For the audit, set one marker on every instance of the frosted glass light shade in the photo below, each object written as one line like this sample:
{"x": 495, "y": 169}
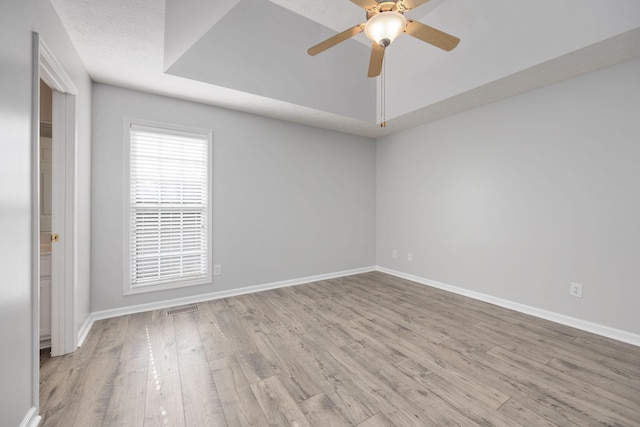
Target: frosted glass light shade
{"x": 385, "y": 27}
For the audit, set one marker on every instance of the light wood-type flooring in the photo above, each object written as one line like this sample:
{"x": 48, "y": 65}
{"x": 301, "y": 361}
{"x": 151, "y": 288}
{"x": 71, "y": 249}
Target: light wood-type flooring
{"x": 368, "y": 350}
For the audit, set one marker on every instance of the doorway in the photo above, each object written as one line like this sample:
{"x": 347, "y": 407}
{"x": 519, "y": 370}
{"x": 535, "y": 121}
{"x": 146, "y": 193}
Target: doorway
{"x": 55, "y": 211}
{"x": 45, "y": 198}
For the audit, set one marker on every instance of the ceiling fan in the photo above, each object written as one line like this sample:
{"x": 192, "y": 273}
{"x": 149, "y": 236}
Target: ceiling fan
{"x": 385, "y": 22}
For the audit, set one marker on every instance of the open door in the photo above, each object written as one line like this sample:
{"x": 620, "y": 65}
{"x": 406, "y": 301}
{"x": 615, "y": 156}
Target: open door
{"x": 63, "y": 334}
{"x": 63, "y": 201}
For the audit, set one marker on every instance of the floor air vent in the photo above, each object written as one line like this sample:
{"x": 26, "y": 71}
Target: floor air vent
{"x": 184, "y": 309}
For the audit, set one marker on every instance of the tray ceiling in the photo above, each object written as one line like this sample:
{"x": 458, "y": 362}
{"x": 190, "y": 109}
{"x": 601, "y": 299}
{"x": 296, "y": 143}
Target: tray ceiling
{"x": 250, "y": 55}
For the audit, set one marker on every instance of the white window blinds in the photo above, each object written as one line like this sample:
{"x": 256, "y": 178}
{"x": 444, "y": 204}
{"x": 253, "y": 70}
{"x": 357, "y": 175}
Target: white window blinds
{"x": 169, "y": 206}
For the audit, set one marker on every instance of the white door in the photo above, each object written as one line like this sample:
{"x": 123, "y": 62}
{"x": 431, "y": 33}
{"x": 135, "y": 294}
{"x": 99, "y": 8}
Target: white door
{"x": 63, "y": 335}
{"x": 45, "y": 234}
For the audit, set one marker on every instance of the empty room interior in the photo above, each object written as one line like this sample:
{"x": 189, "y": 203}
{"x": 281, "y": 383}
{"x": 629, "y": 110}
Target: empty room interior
{"x": 319, "y": 213}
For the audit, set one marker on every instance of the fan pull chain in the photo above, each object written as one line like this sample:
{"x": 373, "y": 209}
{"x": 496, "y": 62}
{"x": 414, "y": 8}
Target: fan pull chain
{"x": 383, "y": 88}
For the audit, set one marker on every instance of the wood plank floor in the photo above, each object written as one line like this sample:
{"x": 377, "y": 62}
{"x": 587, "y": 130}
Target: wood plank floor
{"x": 369, "y": 350}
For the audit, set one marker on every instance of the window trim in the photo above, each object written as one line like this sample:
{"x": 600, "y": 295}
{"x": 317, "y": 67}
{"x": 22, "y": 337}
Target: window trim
{"x": 128, "y": 288}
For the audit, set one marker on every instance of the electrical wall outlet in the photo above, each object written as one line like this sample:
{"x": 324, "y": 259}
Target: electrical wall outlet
{"x": 217, "y": 270}
{"x": 409, "y": 256}
{"x": 575, "y": 290}
{"x": 394, "y": 253}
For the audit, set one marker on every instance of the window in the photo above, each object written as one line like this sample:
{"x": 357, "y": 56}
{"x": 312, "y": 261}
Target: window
{"x": 169, "y": 241}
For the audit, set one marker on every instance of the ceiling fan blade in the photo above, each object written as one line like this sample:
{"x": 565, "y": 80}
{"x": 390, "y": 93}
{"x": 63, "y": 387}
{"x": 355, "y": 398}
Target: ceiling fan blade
{"x": 332, "y": 41}
{"x": 375, "y": 62}
{"x": 412, "y": 4}
{"x": 365, "y": 4}
{"x": 431, "y": 35}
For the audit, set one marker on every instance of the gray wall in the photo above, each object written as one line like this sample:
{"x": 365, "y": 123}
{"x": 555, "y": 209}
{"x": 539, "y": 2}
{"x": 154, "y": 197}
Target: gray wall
{"x": 519, "y": 198}
{"x": 17, "y": 20}
{"x": 289, "y": 201}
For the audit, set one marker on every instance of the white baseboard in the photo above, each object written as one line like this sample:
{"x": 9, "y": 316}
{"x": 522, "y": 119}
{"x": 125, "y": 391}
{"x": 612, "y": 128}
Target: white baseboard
{"x": 573, "y": 322}
{"x": 84, "y": 329}
{"x": 584, "y": 325}
{"x": 106, "y": 314}
{"x": 45, "y": 342}
{"x": 32, "y": 419}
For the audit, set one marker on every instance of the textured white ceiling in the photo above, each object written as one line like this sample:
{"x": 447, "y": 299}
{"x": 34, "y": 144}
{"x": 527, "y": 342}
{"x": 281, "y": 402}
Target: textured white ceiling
{"x": 507, "y": 47}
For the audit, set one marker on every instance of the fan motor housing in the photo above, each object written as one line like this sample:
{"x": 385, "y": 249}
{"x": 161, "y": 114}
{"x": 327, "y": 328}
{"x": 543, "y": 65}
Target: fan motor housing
{"x": 387, "y": 6}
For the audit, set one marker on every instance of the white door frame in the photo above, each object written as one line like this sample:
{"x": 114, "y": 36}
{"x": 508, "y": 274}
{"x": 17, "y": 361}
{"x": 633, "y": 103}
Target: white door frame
{"x": 63, "y": 253}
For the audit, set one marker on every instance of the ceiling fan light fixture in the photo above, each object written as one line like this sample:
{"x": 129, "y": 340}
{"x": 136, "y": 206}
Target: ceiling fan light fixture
{"x": 384, "y": 27}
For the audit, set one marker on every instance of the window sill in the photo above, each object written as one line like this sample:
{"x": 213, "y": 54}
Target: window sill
{"x": 143, "y": 289}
